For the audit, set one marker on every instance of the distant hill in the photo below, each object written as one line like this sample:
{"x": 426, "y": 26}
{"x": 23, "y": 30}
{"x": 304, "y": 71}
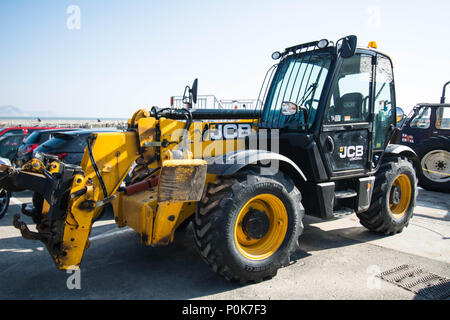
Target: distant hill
{"x": 12, "y": 111}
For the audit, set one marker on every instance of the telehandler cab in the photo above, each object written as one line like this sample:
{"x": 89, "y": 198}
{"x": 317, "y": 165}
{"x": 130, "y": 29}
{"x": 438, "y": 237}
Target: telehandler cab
{"x": 317, "y": 145}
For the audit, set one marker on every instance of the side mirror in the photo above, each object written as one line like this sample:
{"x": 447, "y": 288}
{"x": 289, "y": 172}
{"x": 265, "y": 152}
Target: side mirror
{"x": 194, "y": 90}
{"x": 288, "y": 108}
{"x": 291, "y": 109}
{"x": 347, "y": 46}
{"x": 400, "y": 114}
{"x": 190, "y": 94}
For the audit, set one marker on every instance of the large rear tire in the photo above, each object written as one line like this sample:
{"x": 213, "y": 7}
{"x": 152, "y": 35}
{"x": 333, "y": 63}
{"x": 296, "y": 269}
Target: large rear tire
{"x": 393, "y": 198}
{"x": 247, "y": 226}
{"x": 434, "y": 155}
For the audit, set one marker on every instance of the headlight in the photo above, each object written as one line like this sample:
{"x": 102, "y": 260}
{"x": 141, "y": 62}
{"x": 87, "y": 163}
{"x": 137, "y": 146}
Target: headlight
{"x": 276, "y": 55}
{"x": 322, "y": 43}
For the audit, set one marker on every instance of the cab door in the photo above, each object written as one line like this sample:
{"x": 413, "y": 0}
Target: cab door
{"x": 384, "y": 108}
{"x": 346, "y": 133}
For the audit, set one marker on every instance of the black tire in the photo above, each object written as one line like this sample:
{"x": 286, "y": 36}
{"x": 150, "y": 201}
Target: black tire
{"x": 4, "y": 202}
{"x": 434, "y": 147}
{"x": 379, "y": 217}
{"x": 216, "y": 219}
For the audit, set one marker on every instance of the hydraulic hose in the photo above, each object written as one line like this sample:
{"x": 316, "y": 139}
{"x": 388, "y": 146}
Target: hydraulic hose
{"x": 97, "y": 172}
{"x": 94, "y": 165}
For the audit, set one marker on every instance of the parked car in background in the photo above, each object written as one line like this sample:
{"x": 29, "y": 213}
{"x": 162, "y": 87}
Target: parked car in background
{"x": 68, "y": 146}
{"x": 9, "y": 145}
{"x": 25, "y": 151}
{"x": 21, "y": 130}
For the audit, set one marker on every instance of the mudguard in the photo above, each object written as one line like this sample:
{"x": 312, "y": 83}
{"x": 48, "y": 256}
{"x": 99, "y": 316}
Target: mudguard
{"x": 232, "y": 162}
{"x": 401, "y": 150}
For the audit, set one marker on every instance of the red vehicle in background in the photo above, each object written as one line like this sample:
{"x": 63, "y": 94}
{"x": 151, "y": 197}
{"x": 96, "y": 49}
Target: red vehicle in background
{"x": 21, "y": 130}
{"x": 12, "y": 137}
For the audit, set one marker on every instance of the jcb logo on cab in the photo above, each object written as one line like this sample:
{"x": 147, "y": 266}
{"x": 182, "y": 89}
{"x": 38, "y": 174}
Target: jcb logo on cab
{"x": 351, "y": 152}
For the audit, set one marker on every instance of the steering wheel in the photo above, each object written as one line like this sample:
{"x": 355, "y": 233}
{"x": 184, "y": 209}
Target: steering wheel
{"x": 365, "y": 100}
{"x": 311, "y": 110}
{"x": 308, "y": 103}
{"x": 331, "y": 113}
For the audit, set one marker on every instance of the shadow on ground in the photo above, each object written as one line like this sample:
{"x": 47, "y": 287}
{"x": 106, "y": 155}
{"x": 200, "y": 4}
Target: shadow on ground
{"x": 118, "y": 267}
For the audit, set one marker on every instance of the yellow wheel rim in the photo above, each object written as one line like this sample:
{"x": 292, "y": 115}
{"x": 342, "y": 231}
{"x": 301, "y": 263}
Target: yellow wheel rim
{"x": 266, "y": 245}
{"x": 400, "y": 196}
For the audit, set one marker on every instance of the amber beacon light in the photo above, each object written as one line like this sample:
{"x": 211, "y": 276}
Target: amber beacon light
{"x": 372, "y": 44}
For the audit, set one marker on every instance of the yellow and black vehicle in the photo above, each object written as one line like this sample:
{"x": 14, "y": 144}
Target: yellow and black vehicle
{"x": 318, "y": 144}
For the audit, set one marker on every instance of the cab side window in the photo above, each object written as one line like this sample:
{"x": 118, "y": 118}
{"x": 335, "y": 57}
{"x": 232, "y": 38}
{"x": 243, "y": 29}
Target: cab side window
{"x": 350, "y": 99}
{"x": 422, "y": 120}
{"x": 443, "y": 118}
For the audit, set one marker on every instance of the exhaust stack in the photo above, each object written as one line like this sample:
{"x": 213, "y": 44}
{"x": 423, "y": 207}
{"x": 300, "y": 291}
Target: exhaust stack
{"x": 443, "y": 92}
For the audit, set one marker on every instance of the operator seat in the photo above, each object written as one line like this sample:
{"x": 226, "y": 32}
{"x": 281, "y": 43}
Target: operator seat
{"x": 350, "y": 106}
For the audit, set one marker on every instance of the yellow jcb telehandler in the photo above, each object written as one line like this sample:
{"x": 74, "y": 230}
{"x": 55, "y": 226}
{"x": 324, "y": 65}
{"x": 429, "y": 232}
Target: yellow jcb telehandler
{"x": 318, "y": 144}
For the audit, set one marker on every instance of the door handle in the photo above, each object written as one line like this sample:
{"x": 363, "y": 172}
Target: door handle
{"x": 348, "y": 127}
{"x": 329, "y": 144}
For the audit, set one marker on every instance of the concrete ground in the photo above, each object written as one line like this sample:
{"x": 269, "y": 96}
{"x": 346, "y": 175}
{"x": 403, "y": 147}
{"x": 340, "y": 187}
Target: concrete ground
{"x": 337, "y": 260}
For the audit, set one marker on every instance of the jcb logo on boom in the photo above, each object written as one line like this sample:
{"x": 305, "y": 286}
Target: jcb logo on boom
{"x": 229, "y": 130}
{"x": 351, "y": 152}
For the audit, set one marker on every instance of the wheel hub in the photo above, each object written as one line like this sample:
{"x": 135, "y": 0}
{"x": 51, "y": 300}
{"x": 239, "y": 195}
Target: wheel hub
{"x": 256, "y": 224}
{"x": 261, "y": 226}
{"x": 396, "y": 195}
{"x": 436, "y": 166}
{"x": 440, "y": 165}
{"x": 400, "y": 196}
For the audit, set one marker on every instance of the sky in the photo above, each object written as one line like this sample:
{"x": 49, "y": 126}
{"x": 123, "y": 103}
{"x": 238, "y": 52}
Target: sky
{"x": 99, "y": 58}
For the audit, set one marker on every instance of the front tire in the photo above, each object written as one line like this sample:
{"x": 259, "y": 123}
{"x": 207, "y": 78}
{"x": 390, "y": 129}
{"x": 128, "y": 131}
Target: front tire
{"x": 434, "y": 157}
{"x": 393, "y": 198}
{"x": 247, "y": 226}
